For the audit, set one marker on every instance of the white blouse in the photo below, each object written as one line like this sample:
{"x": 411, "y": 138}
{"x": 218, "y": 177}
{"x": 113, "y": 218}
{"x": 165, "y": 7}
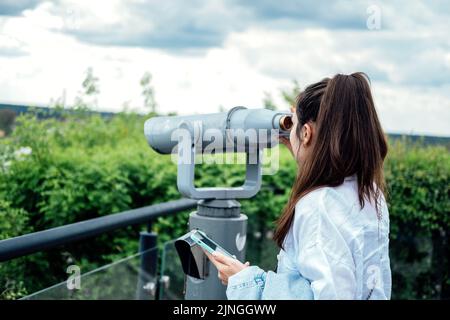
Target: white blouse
{"x": 339, "y": 248}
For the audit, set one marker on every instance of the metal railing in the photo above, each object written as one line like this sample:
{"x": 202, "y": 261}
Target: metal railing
{"x": 47, "y": 239}
{"x": 44, "y": 240}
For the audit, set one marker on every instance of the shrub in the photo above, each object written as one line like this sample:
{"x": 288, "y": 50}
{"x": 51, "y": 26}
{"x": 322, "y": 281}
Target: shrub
{"x": 54, "y": 172}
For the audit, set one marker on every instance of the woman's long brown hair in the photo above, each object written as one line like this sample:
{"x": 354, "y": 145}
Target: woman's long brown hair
{"x": 349, "y": 140}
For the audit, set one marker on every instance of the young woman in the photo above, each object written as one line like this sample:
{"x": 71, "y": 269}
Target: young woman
{"x": 334, "y": 230}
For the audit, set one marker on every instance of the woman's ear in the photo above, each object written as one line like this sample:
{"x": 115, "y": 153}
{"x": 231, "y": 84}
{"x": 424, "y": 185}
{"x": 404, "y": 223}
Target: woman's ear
{"x": 307, "y": 133}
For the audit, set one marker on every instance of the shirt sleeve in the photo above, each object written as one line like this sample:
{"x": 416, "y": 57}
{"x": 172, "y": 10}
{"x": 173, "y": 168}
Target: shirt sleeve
{"x": 322, "y": 255}
{"x": 253, "y": 283}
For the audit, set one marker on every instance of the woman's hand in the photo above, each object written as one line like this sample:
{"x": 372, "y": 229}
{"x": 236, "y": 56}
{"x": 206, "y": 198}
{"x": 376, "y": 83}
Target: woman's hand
{"x": 287, "y": 143}
{"x": 285, "y": 140}
{"x": 225, "y": 265}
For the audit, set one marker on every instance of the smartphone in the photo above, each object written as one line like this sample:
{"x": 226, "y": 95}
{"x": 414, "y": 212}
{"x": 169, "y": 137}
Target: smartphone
{"x": 208, "y": 244}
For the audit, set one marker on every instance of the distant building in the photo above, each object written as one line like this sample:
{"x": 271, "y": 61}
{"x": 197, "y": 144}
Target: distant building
{"x": 8, "y": 113}
{"x": 44, "y": 112}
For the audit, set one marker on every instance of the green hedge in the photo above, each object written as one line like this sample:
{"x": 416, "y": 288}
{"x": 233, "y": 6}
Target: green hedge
{"x": 85, "y": 166}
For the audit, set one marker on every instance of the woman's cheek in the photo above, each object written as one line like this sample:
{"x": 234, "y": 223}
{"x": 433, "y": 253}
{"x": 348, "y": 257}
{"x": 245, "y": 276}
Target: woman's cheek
{"x": 294, "y": 141}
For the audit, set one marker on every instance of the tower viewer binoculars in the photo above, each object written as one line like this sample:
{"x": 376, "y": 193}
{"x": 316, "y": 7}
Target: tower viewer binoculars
{"x": 235, "y": 127}
{"x": 238, "y": 130}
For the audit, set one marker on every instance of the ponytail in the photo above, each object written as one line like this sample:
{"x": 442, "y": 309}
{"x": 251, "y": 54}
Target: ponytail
{"x": 349, "y": 141}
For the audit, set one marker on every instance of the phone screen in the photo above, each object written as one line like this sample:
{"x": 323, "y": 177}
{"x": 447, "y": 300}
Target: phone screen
{"x": 210, "y": 244}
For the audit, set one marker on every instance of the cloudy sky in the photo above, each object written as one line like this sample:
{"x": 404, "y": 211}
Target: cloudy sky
{"x": 209, "y": 53}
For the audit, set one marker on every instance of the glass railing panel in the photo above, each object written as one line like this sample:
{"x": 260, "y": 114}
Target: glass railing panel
{"x": 120, "y": 280}
{"x": 172, "y": 276}
{"x": 125, "y": 280}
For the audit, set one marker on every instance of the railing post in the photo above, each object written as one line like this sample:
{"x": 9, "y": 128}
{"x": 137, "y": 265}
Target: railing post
{"x": 147, "y": 285}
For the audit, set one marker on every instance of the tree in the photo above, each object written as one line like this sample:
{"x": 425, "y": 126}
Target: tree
{"x": 88, "y": 97}
{"x": 90, "y": 83}
{"x": 268, "y": 101}
{"x": 148, "y": 92}
{"x": 290, "y": 95}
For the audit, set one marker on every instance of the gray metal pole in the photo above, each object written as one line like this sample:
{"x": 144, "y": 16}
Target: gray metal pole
{"x": 223, "y": 222}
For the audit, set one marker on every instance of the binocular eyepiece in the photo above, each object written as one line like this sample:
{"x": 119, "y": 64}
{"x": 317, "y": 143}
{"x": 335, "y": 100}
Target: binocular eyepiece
{"x": 239, "y": 129}
{"x": 286, "y": 123}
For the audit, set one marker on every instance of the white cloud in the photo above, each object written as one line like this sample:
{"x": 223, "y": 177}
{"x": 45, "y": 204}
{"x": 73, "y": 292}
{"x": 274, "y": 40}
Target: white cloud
{"x": 405, "y": 100}
{"x": 410, "y": 68}
{"x": 413, "y": 109}
{"x": 183, "y": 83}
